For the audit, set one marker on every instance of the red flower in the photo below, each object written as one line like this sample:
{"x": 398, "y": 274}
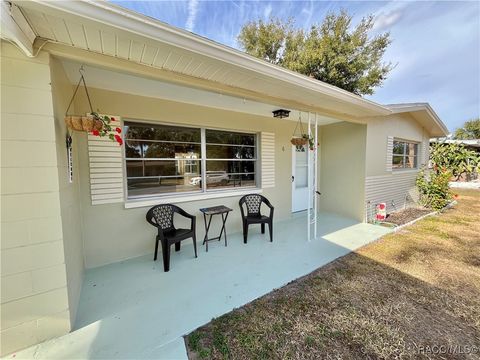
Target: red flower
{"x": 96, "y": 132}
{"x": 118, "y": 130}
{"x": 119, "y": 139}
{"x": 112, "y": 118}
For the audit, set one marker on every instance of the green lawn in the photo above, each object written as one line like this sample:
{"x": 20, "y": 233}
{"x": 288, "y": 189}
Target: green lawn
{"x": 413, "y": 294}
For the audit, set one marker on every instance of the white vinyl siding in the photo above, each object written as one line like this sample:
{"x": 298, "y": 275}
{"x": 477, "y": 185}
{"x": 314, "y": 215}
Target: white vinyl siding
{"x": 106, "y": 168}
{"x": 393, "y": 190}
{"x": 267, "y": 148}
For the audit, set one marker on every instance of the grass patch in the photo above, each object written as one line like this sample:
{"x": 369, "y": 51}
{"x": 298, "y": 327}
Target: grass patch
{"x": 413, "y": 290}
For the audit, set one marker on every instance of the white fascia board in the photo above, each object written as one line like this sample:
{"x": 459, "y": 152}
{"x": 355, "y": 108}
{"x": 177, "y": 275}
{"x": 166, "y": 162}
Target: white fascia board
{"x": 124, "y": 19}
{"x": 437, "y": 119}
{"x": 14, "y": 27}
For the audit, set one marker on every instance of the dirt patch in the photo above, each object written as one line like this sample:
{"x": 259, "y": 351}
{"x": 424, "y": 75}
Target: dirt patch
{"x": 406, "y": 296}
{"x": 405, "y": 216}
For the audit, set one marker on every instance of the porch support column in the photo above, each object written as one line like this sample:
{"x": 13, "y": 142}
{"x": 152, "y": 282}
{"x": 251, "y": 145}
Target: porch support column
{"x": 315, "y": 177}
{"x": 309, "y": 181}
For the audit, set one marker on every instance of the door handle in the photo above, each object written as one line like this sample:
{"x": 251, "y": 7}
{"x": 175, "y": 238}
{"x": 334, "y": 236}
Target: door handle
{"x": 293, "y": 178}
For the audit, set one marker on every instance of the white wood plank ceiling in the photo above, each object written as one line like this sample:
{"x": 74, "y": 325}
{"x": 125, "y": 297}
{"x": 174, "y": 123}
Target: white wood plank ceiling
{"x": 103, "y": 41}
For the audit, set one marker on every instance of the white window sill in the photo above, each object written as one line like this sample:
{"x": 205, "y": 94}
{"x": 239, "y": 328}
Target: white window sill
{"x": 402, "y": 171}
{"x": 168, "y": 199}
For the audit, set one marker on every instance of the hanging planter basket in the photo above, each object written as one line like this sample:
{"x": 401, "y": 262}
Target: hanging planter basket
{"x": 301, "y": 138}
{"x": 87, "y": 123}
{"x": 299, "y": 141}
{"x": 92, "y": 123}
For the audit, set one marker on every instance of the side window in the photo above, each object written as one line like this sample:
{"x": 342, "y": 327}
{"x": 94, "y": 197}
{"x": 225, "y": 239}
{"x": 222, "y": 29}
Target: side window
{"x": 405, "y": 155}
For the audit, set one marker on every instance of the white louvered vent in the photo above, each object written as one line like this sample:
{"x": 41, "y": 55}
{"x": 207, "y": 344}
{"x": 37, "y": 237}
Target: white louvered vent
{"x": 267, "y": 148}
{"x": 106, "y": 170}
{"x": 389, "y": 156}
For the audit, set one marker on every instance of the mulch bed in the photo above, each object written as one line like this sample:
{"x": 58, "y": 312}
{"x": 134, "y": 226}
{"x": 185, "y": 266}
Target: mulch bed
{"x": 405, "y": 216}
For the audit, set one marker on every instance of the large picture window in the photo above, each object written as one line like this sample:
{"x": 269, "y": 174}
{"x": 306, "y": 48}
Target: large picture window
{"x": 405, "y": 155}
{"x": 164, "y": 159}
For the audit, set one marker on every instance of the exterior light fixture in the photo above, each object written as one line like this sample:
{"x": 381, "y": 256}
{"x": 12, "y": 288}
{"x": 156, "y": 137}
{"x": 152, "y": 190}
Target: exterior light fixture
{"x": 281, "y": 113}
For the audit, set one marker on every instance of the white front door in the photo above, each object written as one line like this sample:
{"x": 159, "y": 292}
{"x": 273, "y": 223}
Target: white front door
{"x": 299, "y": 178}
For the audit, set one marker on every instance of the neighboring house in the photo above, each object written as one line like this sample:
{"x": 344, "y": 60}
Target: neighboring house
{"x": 211, "y": 104}
{"x": 472, "y": 144}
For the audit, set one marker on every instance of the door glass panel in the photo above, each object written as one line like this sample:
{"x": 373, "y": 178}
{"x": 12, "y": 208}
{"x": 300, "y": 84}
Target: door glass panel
{"x": 301, "y": 167}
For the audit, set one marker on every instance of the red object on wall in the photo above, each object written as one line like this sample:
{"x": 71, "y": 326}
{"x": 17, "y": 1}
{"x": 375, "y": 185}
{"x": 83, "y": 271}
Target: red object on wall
{"x": 381, "y": 211}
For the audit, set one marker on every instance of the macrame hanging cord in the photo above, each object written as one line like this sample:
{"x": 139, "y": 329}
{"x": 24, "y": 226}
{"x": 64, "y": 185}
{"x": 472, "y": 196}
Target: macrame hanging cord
{"x": 302, "y": 138}
{"x": 82, "y": 79}
{"x": 299, "y": 122}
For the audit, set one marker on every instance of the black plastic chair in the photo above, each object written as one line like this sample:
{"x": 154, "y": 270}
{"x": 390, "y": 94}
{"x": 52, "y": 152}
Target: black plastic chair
{"x": 161, "y": 216}
{"x": 253, "y": 204}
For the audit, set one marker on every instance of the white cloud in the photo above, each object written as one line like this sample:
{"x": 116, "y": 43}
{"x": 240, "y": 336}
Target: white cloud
{"x": 389, "y": 15}
{"x": 192, "y": 14}
{"x": 267, "y": 11}
{"x": 385, "y": 21}
{"x": 306, "y": 15}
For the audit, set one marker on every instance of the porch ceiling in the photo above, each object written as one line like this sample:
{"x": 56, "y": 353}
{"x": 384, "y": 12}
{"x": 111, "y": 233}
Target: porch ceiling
{"x": 115, "y": 81}
{"x": 103, "y": 28}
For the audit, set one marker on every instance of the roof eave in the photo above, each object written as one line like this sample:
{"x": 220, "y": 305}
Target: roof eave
{"x": 440, "y": 129}
{"x": 141, "y": 25}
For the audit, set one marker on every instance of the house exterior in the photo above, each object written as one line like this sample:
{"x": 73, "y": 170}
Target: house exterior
{"x": 197, "y": 126}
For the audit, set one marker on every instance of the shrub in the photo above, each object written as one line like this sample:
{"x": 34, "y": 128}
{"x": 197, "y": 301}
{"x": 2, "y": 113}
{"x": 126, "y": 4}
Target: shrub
{"x": 454, "y": 157}
{"x": 434, "y": 189}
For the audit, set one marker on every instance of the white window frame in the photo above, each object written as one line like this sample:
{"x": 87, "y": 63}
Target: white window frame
{"x": 203, "y": 193}
{"x": 404, "y": 155}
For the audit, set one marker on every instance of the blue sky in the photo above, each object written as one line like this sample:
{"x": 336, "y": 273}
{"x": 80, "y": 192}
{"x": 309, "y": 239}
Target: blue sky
{"x": 436, "y": 45}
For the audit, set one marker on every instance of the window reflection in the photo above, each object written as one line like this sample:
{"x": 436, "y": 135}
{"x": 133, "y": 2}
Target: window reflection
{"x": 405, "y": 155}
{"x": 161, "y": 159}
{"x": 231, "y": 159}
{"x": 168, "y": 159}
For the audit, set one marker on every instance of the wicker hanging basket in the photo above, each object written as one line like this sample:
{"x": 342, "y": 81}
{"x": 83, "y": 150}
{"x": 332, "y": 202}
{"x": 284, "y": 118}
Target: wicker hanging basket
{"x": 299, "y": 141}
{"x": 83, "y": 123}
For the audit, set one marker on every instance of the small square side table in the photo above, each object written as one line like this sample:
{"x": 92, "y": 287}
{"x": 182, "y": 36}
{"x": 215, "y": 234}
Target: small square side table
{"x": 215, "y": 210}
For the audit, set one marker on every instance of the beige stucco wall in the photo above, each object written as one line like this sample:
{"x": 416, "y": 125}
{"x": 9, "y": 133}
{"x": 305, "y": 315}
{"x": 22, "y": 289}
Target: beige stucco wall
{"x": 342, "y": 170}
{"x": 34, "y": 298}
{"x": 62, "y": 91}
{"x": 111, "y": 232}
{"x": 395, "y": 187}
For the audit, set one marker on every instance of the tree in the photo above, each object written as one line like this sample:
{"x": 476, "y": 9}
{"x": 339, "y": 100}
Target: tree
{"x": 470, "y": 130}
{"x": 331, "y": 52}
{"x": 455, "y": 158}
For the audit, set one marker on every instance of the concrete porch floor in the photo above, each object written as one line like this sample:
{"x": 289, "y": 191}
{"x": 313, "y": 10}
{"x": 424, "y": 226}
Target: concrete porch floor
{"x": 132, "y": 309}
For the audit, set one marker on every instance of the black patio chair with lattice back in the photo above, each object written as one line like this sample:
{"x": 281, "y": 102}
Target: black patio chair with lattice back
{"x": 161, "y": 216}
{"x": 253, "y": 204}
